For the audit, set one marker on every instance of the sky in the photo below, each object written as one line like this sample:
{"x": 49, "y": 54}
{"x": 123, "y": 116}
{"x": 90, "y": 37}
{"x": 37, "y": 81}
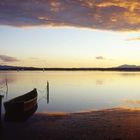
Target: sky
{"x": 69, "y": 33}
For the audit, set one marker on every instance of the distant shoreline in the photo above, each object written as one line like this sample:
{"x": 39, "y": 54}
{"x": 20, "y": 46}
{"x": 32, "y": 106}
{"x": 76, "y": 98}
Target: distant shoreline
{"x": 71, "y": 69}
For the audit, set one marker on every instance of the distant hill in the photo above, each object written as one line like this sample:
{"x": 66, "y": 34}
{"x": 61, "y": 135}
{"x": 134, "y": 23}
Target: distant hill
{"x": 128, "y": 66}
{"x": 6, "y": 67}
{"x": 3, "y": 67}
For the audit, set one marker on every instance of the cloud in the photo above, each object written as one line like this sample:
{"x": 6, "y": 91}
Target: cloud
{"x": 114, "y": 15}
{"x": 130, "y": 101}
{"x": 6, "y": 58}
{"x": 34, "y": 58}
{"x": 134, "y": 39}
{"x": 100, "y": 57}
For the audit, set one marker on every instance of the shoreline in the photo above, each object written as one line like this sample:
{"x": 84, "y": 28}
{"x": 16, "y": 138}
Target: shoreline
{"x": 77, "y": 69}
{"x": 108, "y": 124}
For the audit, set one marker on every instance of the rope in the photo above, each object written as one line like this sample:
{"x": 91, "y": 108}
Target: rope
{"x": 3, "y": 90}
{"x": 43, "y": 96}
{"x": 3, "y": 86}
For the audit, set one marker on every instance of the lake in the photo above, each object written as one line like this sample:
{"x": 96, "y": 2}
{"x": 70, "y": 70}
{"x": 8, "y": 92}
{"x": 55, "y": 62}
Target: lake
{"x": 74, "y": 91}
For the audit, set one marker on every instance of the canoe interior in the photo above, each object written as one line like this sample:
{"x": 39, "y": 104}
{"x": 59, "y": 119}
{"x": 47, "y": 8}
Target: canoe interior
{"x": 25, "y": 97}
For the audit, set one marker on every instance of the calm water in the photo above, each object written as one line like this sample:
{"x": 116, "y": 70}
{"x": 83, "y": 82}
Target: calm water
{"x": 75, "y": 91}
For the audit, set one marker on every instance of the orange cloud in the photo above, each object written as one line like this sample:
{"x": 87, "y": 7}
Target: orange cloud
{"x": 114, "y": 15}
{"x": 130, "y": 101}
{"x": 134, "y": 39}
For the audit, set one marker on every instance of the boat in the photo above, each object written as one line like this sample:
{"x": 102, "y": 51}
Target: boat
{"x": 21, "y": 107}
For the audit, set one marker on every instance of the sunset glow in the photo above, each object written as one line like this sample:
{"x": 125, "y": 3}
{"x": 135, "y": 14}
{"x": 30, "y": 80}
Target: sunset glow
{"x": 50, "y": 34}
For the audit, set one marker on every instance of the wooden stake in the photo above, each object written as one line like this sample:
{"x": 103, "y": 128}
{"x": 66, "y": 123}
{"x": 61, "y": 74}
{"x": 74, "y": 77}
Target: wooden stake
{"x": 47, "y": 92}
{"x": 1, "y": 96}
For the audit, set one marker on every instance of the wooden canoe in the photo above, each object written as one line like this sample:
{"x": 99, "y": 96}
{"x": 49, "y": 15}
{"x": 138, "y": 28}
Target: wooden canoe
{"x": 21, "y": 107}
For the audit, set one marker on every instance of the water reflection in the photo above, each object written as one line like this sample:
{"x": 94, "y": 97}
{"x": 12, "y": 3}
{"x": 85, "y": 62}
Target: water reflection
{"x": 8, "y": 78}
{"x": 130, "y": 74}
{"x": 99, "y": 82}
{"x": 76, "y": 91}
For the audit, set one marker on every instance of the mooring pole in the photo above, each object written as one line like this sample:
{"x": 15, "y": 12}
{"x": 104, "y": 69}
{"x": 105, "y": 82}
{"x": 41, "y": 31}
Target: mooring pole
{"x": 1, "y": 126}
{"x": 47, "y": 92}
{"x": 6, "y": 83}
{"x": 1, "y": 96}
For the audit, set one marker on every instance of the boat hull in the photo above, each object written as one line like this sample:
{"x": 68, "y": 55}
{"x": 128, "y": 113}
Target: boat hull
{"x": 22, "y": 107}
